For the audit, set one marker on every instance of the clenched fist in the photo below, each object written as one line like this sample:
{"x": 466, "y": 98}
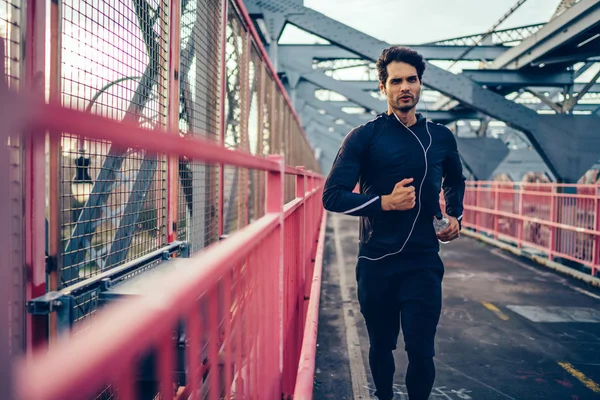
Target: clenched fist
{"x": 402, "y": 198}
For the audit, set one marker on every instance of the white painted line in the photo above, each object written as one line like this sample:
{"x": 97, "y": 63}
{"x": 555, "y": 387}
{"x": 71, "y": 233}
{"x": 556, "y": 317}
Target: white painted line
{"x": 357, "y": 365}
{"x": 561, "y": 280}
{"x": 595, "y": 296}
{"x": 475, "y": 380}
{"x": 588, "y": 278}
{"x": 500, "y": 253}
{"x": 557, "y": 314}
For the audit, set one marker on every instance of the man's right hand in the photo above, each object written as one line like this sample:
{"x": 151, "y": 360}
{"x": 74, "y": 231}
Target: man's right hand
{"x": 402, "y": 198}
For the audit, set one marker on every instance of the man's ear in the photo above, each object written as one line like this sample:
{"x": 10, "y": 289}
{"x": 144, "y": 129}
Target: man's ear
{"x": 382, "y": 87}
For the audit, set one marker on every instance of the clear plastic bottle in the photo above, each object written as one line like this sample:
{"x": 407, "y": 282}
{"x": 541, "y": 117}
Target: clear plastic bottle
{"x": 440, "y": 223}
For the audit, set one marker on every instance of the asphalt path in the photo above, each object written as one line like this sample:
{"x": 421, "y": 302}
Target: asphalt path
{"x": 509, "y": 329}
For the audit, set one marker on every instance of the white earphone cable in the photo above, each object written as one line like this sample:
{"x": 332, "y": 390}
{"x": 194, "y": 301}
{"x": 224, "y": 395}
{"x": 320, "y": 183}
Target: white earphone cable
{"x": 425, "y": 150}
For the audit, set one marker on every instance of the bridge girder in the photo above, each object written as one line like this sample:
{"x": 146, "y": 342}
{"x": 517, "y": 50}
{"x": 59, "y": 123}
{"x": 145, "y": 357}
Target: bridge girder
{"x": 551, "y": 137}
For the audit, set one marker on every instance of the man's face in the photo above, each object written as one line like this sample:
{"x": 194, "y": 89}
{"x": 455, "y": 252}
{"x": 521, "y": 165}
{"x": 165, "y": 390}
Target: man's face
{"x": 403, "y": 88}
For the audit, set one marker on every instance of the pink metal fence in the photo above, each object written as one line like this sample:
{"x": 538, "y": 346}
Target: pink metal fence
{"x": 247, "y": 295}
{"x": 554, "y": 220}
{"x": 196, "y": 67}
{"x": 241, "y": 302}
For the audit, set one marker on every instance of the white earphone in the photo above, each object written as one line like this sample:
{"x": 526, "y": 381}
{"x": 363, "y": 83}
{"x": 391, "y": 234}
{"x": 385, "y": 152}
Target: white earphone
{"x": 425, "y": 150}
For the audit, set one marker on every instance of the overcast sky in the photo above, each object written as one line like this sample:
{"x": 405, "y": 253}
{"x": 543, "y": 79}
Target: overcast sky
{"x": 403, "y": 22}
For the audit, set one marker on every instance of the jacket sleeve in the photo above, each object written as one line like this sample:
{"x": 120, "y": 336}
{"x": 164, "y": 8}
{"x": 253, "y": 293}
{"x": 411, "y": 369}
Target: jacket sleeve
{"x": 453, "y": 181}
{"x": 338, "y": 194}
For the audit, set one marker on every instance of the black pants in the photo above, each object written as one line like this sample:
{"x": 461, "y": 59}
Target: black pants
{"x": 401, "y": 291}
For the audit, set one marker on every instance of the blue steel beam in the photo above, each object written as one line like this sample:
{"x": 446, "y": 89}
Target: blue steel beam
{"x": 495, "y": 77}
{"x": 442, "y": 117}
{"x": 430, "y": 52}
{"x": 519, "y": 162}
{"x": 360, "y": 98}
{"x": 542, "y": 132}
{"x": 499, "y": 36}
{"x": 128, "y": 225}
{"x": 475, "y": 150}
{"x": 329, "y": 141}
{"x": 121, "y": 243}
{"x": 308, "y": 114}
{"x": 482, "y": 155}
{"x": 500, "y": 79}
{"x": 324, "y": 140}
{"x": 579, "y": 107}
{"x": 582, "y": 70}
{"x": 306, "y": 90}
{"x": 565, "y": 27}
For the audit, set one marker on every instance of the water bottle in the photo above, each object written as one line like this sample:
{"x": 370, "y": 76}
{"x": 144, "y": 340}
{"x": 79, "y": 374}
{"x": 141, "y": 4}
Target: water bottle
{"x": 440, "y": 223}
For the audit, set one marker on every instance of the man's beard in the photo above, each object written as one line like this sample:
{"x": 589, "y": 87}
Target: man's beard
{"x": 406, "y": 108}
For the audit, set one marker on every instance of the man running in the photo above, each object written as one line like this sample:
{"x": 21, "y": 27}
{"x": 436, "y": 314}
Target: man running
{"x": 401, "y": 162}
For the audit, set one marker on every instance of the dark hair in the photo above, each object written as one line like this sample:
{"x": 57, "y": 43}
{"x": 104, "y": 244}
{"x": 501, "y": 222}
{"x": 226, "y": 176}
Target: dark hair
{"x": 402, "y": 54}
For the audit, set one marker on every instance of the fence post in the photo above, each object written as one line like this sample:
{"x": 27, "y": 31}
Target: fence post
{"x": 496, "y": 187}
{"x": 520, "y": 221}
{"x": 478, "y": 213}
{"x": 222, "y": 116}
{"x": 5, "y": 243}
{"x": 553, "y": 218}
{"x": 36, "y": 326}
{"x": 302, "y": 256}
{"x": 274, "y": 204}
{"x": 173, "y": 121}
{"x": 54, "y": 248}
{"x": 311, "y": 219}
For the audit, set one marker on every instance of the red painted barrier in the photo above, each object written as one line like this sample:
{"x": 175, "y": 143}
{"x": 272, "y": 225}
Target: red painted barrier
{"x": 240, "y": 302}
{"x": 553, "y": 220}
{"x": 306, "y": 367}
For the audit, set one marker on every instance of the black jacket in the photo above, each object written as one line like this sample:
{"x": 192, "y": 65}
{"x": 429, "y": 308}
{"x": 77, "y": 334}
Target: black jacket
{"x": 380, "y": 154}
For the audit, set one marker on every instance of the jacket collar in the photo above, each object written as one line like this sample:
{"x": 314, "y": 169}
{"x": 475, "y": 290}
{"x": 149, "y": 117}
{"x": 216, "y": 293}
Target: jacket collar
{"x": 390, "y": 118}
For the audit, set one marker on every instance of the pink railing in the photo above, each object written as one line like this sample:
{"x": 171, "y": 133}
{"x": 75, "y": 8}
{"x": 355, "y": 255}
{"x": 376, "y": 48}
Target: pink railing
{"x": 554, "y": 220}
{"x": 241, "y": 303}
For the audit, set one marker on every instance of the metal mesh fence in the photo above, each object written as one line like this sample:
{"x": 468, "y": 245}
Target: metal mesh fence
{"x": 16, "y": 307}
{"x": 83, "y": 311}
{"x": 579, "y": 212}
{"x": 12, "y": 14}
{"x": 113, "y": 63}
{"x": 256, "y": 179}
{"x": 236, "y": 123}
{"x": 199, "y": 114}
{"x": 512, "y": 35}
{"x": 268, "y": 93}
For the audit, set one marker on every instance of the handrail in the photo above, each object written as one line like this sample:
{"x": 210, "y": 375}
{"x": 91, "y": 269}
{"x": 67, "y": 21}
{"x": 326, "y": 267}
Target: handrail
{"x": 265, "y": 57}
{"x": 536, "y": 220}
{"x": 306, "y": 367}
{"x": 146, "y": 321}
{"x": 170, "y": 297}
{"x": 57, "y": 119}
{"x": 532, "y": 184}
{"x": 550, "y": 219}
{"x": 265, "y": 280}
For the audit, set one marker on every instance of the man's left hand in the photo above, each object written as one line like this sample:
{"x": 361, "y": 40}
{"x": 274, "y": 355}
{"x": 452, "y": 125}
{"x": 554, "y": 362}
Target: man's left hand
{"x": 451, "y": 232}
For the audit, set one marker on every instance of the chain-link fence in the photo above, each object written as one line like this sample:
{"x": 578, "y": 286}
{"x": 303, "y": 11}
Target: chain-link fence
{"x": 199, "y": 114}
{"x": 108, "y": 207}
{"x": 113, "y": 63}
{"x": 12, "y": 16}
